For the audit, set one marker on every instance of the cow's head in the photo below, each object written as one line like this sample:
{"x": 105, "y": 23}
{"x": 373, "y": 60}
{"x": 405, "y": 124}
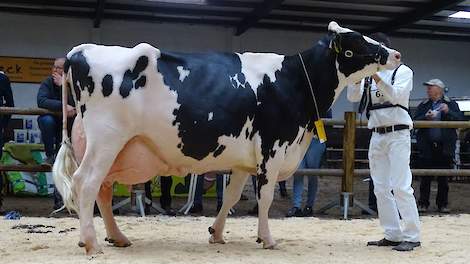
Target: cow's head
{"x": 358, "y": 56}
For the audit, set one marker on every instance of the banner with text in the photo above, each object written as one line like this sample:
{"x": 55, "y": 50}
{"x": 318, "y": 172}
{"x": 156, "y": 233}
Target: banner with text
{"x": 26, "y": 70}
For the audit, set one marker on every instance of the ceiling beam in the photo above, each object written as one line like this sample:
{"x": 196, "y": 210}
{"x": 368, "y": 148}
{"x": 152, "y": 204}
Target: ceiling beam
{"x": 260, "y": 11}
{"x": 99, "y": 10}
{"x": 425, "y": 10}
{"x": 335, "y": 10}
{"x": 51, "y": 3}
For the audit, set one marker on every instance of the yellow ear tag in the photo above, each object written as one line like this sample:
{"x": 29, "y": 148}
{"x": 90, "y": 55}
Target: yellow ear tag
{"x": 320, "y": 130}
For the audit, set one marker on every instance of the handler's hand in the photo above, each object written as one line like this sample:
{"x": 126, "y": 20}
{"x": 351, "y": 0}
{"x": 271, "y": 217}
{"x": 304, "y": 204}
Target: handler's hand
{"x": 376, "y": 78}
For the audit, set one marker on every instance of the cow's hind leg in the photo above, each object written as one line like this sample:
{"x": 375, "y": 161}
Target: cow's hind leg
{"x": 232, "y": 196}
{"x": 114, "y": 235}
{"x": 99, "y": 157}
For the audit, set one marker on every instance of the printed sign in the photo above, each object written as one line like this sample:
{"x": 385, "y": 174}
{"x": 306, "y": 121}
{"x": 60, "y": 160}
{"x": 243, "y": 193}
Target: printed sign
{"x": 26, "y": 70}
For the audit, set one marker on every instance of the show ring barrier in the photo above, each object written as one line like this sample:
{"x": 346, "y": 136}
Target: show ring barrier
{"x": 347, "y": 173}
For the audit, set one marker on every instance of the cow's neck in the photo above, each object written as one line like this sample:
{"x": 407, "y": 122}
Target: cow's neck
{"x": 321, "y": 68}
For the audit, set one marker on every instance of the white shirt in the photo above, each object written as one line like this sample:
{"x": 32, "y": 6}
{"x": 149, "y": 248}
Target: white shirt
{"x": 384, "y": 92}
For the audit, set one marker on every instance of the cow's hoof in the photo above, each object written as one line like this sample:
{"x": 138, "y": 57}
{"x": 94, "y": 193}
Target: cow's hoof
{"x": 117, "y": 243}
{"x": 266, "y": 244}
{"x": 269, "y": 246}
{"x": 213, "y": 240}
{"x": 93, "y": 252}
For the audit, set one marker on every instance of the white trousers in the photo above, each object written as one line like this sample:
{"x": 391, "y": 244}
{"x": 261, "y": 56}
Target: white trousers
{"x": 389, "y": 161}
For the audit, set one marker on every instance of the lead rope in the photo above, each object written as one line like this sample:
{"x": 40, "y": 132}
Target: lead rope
{"x": 310, "y": 85}
{"x": 318, "y": 123}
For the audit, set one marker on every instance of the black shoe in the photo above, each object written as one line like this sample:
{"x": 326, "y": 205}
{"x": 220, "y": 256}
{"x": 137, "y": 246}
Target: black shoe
{"x": 169, "y": 211}
{"x": 308, "y": 211}
{"x": 196, "y": 209}
{"x": 383, "y": 243}
{"x": 407, "y": 246}
{"x": 295, "y": 211}
{"x": 444, "y": 210}
{"x": 422, "y": 209}
{"x": 253, "y": 211}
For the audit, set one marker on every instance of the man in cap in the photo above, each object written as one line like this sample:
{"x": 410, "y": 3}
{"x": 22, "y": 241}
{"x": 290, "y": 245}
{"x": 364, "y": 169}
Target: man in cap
{"x": 436, "y": 145}
{"x": 385, "y": 96}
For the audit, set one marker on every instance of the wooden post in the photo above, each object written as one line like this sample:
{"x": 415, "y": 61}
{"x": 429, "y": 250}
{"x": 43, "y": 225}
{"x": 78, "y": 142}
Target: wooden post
{"x": 349, "y": 144}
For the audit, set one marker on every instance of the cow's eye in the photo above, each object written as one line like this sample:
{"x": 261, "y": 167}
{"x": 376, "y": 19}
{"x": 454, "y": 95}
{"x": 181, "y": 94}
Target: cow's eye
{"x": 348, "y": 54}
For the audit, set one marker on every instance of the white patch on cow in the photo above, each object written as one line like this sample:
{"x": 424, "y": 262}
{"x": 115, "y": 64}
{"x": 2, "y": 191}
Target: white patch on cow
{"x": 334, "y": 27}
{"x": 183, "y": 73}
{"x": 210, "y": 116}
{"x": 256, "y": 65}
{"x": 237, "y": 81}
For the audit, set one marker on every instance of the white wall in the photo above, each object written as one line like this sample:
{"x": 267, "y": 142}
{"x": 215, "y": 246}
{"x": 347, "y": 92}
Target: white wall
{"x": 35, "y": 36}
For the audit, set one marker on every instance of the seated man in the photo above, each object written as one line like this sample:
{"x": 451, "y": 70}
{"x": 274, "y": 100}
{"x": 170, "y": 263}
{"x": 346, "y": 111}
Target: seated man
{"x": 6, "y": 99}
{"x": 50, "y": 98}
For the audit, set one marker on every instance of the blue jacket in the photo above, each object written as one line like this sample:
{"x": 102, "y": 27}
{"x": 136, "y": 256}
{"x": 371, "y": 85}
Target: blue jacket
{"x": 449, "y": 134}
{"x": 50, "y": 96}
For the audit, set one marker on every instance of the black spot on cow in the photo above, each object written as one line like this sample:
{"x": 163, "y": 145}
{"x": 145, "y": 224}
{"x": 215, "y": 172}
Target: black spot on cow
{"x": 247, "y": 133}
{"x": 80, "y": 74}
{"x": 207, "y": 89}
{"x": 107, "y": 85}
{"x": 131, "y": 78}
{"x": 179, "y": 145}
{"x": 83, "y": 109}
{"x": 219, "y": 150}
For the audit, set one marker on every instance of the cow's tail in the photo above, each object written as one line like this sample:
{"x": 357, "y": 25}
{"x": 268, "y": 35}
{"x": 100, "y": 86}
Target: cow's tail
{"x": 65, "y": 163}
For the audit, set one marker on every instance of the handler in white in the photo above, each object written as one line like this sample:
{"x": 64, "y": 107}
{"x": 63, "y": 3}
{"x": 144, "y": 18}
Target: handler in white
{"x": 389, "y": 152}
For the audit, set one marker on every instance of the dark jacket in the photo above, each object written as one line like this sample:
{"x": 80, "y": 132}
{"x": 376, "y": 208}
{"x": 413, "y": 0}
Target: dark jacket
{"x": 6, "y": 98}
{"x": 50, "y": 96}
{"x": 448, "y": 134}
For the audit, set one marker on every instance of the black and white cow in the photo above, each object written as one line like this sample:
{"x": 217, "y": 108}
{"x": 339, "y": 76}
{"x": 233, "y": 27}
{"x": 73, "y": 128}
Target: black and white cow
{"x": 144, "y": 112}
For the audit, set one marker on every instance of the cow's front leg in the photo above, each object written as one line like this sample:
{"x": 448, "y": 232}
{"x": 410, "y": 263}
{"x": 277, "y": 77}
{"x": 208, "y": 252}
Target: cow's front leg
{"x": 265, "y": 193}
{"x": 232, "y": 196}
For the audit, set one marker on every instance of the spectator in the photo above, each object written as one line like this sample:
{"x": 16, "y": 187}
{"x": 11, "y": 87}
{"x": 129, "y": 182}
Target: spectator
{"x": 219, "y": 181}
{"x": 6, "y": 99}
{"x": 311, "y": 160}
{"x": 436, "y": 145}
{"x": 50, "y": 98}
{"x": 165, "y": 199}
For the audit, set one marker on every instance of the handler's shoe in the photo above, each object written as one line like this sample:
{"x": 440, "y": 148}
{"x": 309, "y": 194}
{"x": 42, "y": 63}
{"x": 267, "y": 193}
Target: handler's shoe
{"x": 384, "y": 243}
{"x": 407, "y": 246}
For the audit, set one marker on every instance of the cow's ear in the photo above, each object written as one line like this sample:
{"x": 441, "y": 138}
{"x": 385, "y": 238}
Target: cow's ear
{"x": 335, "y": 43}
